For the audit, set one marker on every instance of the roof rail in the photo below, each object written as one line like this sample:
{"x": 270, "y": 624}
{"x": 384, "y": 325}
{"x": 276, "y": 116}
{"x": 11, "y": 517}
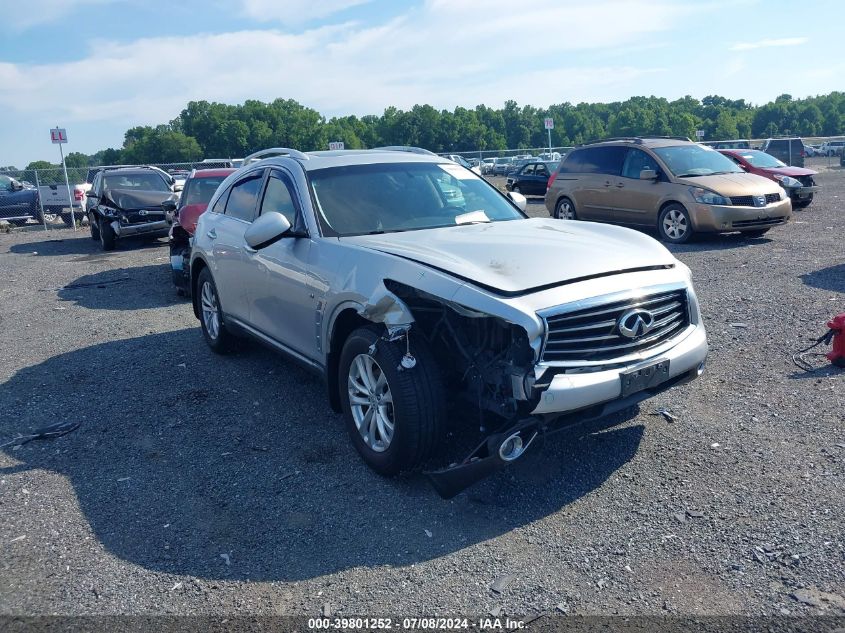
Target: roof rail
{"x": 405, "y": 148}
{"x": 635, "y": 139}
{"x": 274, "y": 151}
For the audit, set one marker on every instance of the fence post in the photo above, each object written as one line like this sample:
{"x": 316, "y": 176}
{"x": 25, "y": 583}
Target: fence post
{"x": 40, "y": 201}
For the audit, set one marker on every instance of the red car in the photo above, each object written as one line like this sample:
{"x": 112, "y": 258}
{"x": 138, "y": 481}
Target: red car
{"x": 798, "y": 182}
{"x": 200, "y": 185}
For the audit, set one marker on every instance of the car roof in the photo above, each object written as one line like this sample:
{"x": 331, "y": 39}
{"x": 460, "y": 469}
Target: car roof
{"x": 644, "y": 141}
{"x": 133, "y": 170}
{"x": 343, "y": 158}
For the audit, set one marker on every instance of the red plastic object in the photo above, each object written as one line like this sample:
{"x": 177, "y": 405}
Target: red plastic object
{"x": 837, "y": 326}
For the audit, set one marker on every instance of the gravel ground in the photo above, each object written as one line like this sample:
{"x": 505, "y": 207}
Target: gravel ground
{"x": 205, "y": 485}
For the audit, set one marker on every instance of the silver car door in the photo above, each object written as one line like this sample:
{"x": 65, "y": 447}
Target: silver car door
{"x": 282, "y": 303}
{"x": 226, "y": 231}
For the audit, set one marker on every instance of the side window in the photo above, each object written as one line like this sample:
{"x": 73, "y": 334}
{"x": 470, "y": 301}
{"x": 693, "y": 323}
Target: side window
{"x": 610, "y": 159}
{"x": 528, "y": 170}
{"x": 278, "y": 196}
{"x": 635, "y": 162}
{"x": 243, "y": 198}
{"x": 5, "y": 182}
{"x": 540, "y": 170}
{"x": 220, "y": 205}
{"x": 572, "y": 163}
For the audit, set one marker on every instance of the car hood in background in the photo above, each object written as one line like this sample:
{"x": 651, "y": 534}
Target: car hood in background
{"x": 522, "y": 255}
{"x": 788, "y": 171}
{"x": 129, "y": 200}
{"x": 730, "y": 185}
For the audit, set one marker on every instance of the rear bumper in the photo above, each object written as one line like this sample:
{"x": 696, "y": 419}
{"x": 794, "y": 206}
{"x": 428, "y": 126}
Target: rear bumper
{"x": 571, "y": 392}
{"x": 125, "y": 230}
{"x": 714, "y": 218}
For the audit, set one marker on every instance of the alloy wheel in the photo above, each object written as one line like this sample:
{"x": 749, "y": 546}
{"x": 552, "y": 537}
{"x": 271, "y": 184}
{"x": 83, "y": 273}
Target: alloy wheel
{"x": 371, "y": 402}
{"x": 675, "y": 224}
{"x": 210, "y": 314}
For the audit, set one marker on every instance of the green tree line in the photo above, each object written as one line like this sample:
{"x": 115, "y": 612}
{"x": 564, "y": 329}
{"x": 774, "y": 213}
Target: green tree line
{"x": 217, "y": 130}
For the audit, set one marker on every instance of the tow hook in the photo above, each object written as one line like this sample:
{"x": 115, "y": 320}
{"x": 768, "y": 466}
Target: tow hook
{"x": 493, "y": 454}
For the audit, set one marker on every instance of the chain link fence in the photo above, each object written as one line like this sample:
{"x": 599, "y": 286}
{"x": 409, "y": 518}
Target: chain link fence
{"x": 30, "y": 197}
{"x": 41, "y": 196}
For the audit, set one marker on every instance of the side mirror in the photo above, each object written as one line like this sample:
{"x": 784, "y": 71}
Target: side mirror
{"x": 169, "y": 206}
{"x": 268, "y": 228}
{"x": 648, "y": 174}
{"x": 518, "y": 199}
{"x": 16, "y": 185}
{"x": 90, "y": 194}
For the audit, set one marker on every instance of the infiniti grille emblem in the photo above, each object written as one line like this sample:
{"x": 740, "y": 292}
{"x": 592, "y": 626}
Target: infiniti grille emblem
{"x": 635, "y": 323}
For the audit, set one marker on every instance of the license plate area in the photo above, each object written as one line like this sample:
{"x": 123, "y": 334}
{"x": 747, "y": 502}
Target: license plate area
{"x": 645, "y": 377}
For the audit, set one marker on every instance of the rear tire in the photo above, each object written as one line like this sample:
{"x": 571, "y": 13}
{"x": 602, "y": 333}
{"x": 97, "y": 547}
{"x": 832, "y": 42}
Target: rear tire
{"x": 107, "y": 237}
{"x": 214, "y": 330}
{"x": 401, "y": 433}
{"x": 565, "y": 210}
{"x": 674, "y": 224}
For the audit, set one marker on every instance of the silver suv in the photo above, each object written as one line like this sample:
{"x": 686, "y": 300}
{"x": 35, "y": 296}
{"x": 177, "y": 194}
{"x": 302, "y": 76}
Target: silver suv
{"x": 405, "y": 280}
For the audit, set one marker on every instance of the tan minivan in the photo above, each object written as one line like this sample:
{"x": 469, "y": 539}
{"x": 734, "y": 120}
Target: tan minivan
{"x": 674, "y": 184}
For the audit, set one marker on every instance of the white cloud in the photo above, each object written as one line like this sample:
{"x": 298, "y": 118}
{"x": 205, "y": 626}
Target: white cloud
{"x": 445, "y": 53}
{"x": 293, "y": 12}
{"x": 785, "y": 41}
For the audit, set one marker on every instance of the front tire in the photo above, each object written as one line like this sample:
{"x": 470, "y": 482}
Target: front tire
{"x": 394, "y": 415}
{"x": 674, "y": 224}
{"x": 218, "y": 338}
{"x": 108, "y": 239}
{"x": 94, "y": 227}
{"x": 565, "y": 210}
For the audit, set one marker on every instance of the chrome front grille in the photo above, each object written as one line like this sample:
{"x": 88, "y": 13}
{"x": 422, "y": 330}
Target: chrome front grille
{"x": 592, "y": 333}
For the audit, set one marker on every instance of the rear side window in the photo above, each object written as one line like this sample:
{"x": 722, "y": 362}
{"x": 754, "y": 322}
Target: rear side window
{"x": 603, "y": 160}
{"x": 243, "y": 198}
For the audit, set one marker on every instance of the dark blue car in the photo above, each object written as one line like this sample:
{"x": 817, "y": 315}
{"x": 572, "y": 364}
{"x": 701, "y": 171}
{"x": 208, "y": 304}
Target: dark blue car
{"x": 18, "y": 202}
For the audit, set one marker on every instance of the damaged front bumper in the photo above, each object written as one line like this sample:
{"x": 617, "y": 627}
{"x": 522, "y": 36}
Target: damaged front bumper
{"x": 572, "y": 391}
{"x": 568, "y": 400}
{"x": 125, "y": 230}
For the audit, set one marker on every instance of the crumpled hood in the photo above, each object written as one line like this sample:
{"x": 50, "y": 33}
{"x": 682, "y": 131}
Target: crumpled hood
{"x": 520, "y": 255}
{"x": 129, "y": 200}
{"x": 789, "y": 171}
{"x": 730, "y": 185}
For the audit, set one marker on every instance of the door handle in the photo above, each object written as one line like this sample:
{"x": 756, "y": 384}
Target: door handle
{"x": 212, "y": 234}
{"x": 607, "y": 183}
{"x": 620, "y": 184}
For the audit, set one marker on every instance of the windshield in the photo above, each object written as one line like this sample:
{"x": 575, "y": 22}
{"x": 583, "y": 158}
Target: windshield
{"x": 695, "y": 160}
{"x": 762, "y": 159}
{"x": 141, "y": 182}
{"x": 385, "y": 198}
{"x": 200, "y": 190}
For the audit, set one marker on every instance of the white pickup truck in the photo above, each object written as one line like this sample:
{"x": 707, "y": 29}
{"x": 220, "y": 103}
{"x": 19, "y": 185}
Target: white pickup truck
{"x": 55, "y": 202}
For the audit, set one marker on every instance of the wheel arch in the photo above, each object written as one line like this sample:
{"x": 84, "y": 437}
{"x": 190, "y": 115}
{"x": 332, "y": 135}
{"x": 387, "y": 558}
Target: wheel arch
{"x": 347, "y": 321}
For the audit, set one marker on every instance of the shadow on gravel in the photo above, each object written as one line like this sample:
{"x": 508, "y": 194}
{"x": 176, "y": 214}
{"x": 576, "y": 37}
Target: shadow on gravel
{"x": 717, "y": 242}
{"x": 133, "y": 288}
{"x": 830, "y": 278}
{"x": 235, "y": 467}
{"x": 80, "y": 243}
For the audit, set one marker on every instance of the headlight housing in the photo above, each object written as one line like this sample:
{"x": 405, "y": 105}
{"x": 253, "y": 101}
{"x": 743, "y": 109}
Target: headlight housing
{"x": 787, "y": 181}
{"x": 705, "y": 196}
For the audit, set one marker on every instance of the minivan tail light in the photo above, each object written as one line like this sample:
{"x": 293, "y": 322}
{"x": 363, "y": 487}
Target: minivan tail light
{"x": 551, "y": 180}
